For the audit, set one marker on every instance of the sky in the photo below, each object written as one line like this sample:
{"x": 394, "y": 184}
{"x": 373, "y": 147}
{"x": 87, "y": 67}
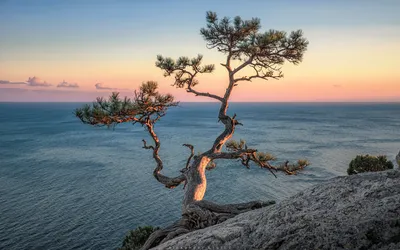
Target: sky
{"x": 76, "y": 50}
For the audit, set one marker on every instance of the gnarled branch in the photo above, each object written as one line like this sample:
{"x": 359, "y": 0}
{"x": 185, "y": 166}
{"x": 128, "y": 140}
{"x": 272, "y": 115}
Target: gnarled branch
{"x": 167, "y": 181}
{"x": 146, "y": 108}
{"x": 191, "y": 154}
{"x": 239, "y": 150}
{"x": 207, "y": 94}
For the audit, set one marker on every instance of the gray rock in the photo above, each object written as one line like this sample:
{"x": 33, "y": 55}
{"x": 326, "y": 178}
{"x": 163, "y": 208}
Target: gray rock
{"x": 398, "y": 159}
{"x": 351, "y": 212}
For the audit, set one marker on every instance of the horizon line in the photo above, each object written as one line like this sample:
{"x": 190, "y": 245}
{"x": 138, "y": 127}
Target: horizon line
{"x": 216, "y": 102}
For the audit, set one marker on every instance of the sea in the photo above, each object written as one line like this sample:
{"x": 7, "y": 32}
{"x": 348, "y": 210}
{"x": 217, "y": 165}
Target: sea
{"x": 67, "y": 185}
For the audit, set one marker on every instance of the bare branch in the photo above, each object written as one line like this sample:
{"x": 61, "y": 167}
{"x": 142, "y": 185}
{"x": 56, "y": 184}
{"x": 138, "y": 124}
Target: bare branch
{"x": 191, "y": 90}
{"x": 191, "y": 154}
{"x": 239, "y": 150}
{"x": 243, "y": 65}
{"x": 145, "y": 145}
{"x": 231, "y": 155}
{"x": 167, "y": 181}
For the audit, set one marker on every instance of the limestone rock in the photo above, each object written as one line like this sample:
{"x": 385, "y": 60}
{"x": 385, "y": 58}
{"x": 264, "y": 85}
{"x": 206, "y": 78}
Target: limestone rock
{"x": 350, "y": 212}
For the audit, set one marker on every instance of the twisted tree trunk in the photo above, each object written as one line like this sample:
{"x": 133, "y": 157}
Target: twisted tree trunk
{"x": 196, "y": 181}
{"x": 240, "y": 41}
{"x": 264, "y": 56}
{"x": 196, "y": 212}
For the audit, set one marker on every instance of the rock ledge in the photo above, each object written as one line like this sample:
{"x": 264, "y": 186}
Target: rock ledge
{"x": 350, "y": 212}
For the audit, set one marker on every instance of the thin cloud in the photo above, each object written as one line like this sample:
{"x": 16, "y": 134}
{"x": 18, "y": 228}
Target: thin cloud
{"x": 337, "y": 85}
{"x": 8, "y": 82}
{"x": 65, "y": 84}
{"x": 101, "y": 86}
{"x": 37, "y": 82}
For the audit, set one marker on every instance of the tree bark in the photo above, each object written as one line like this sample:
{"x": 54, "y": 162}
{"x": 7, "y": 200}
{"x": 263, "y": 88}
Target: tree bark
{"x": 196, "y": 181}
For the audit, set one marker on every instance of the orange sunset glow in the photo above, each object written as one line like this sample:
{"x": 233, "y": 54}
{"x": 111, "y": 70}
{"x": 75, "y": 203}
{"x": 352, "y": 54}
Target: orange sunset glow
{"x": 352, "y": 55}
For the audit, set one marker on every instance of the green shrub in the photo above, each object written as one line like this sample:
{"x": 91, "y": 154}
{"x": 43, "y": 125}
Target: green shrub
{"x": 136, "y": 238}
{"x": 368, "y": 163}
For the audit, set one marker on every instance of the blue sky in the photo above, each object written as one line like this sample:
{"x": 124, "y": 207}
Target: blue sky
{"x": 46, "y": 33}
{"x": 35, "y": 24}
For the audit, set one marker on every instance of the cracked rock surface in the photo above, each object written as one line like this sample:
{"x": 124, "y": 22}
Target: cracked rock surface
{"x": 350, "y": 212}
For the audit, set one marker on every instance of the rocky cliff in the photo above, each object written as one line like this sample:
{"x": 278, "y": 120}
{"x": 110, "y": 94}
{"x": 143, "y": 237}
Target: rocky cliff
{"x": 351, "y": 212}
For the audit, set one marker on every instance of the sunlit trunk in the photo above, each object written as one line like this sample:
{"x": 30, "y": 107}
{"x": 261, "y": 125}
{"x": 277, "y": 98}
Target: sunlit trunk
{"x": 196, "y": 181}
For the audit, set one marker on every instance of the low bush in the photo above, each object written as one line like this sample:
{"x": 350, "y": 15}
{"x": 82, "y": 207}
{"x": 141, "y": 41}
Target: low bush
{"x": 369, "y": 163}
{"x": 136, "y": 238}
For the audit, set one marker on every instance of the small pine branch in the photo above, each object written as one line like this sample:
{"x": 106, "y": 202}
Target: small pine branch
{"x": 233, "y": 145}
{"x": 184, "y": 69}
{"x": 265, "y": 157}
{"x": 147, "y": 105}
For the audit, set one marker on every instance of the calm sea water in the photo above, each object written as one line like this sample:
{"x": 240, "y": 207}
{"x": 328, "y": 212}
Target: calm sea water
{"x": 65, "y": 185}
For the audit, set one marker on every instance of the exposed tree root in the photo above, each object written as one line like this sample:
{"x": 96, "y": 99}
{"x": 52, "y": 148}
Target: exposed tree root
{"x": 201, "y": 214}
